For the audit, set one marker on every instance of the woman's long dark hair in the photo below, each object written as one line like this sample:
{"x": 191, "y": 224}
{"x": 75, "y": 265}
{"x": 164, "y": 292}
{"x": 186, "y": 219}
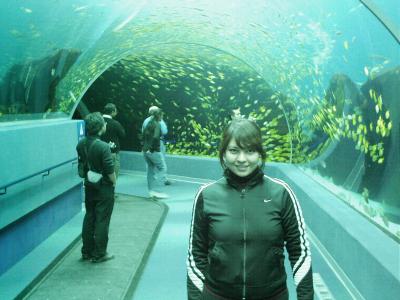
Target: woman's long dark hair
{"x": 247, "y": 135}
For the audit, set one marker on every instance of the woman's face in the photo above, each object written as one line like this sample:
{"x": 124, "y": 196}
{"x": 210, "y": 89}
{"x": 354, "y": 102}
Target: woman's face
{"x": 241, "y": 161}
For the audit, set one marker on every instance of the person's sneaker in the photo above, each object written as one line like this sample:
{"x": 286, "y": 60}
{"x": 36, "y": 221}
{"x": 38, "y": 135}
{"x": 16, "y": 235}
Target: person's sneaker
{"x": 102, "y": 258}
{"x": 158, "y": 195}
{"x": 85, "y": 257}
{"x": 167, "y": 182}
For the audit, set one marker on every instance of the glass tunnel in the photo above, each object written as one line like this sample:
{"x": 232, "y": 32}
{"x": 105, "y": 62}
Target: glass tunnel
{"x": 320, "y": 78}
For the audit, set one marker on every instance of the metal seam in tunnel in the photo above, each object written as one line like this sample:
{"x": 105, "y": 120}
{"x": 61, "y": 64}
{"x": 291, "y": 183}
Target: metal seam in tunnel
{"x": 390, "y": 26}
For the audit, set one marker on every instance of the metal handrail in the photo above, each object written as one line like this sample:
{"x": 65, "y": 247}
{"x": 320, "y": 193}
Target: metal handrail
{"x": 45, "y": 172}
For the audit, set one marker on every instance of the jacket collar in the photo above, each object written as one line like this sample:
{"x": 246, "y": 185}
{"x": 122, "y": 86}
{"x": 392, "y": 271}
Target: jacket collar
{"x": 92, "y": 137}
{"x": 240, "y": 182}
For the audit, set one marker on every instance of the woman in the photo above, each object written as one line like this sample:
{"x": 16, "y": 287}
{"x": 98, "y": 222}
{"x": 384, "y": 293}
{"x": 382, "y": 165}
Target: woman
{"x": 240, "y": 226}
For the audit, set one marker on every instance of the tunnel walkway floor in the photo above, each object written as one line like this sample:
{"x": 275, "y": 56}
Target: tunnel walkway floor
{"x": 149, "y": 240}
{"x": 134, "y": 227}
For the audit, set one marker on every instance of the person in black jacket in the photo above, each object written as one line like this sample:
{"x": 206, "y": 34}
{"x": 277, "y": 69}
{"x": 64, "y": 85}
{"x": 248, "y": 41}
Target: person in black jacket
{"x": 99, "y": 199}
{"x": 240, "y": 226}
{"x": 114, "y": 133}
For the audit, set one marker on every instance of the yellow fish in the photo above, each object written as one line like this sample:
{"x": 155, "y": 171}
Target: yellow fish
{"x": 366, "y": 72}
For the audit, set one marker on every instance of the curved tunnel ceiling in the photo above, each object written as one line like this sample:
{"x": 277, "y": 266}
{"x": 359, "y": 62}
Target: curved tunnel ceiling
{"x": 300, "y": 48}
{"x": 305, "y": 39}
{"x": 274, "y": 38}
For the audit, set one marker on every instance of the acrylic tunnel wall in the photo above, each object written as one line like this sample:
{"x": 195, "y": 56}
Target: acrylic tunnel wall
{"x": 321, "y": 78}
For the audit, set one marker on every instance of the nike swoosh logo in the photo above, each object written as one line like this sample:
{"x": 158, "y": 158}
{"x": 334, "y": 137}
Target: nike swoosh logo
{"x": 266, "y": 201}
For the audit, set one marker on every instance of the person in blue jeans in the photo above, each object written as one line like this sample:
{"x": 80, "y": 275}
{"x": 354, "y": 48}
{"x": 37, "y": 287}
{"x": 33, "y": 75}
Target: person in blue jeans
{"x": 156, "y": 166}
{"x": 164, "y": 132}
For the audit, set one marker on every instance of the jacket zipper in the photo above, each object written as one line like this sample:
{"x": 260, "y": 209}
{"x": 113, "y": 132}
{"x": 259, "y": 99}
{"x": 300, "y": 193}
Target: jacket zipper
{"x": 244, "y": 245}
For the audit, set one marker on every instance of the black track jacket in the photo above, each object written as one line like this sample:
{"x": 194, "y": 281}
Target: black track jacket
{"x": 237, "y": 235}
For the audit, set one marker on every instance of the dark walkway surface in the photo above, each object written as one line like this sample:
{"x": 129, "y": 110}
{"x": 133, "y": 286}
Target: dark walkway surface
{"x": 134, "y": 224}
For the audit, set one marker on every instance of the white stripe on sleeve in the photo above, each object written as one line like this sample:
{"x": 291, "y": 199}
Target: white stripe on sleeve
{"x": 195, "y": 275}
{"x": 303, "y": 263}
